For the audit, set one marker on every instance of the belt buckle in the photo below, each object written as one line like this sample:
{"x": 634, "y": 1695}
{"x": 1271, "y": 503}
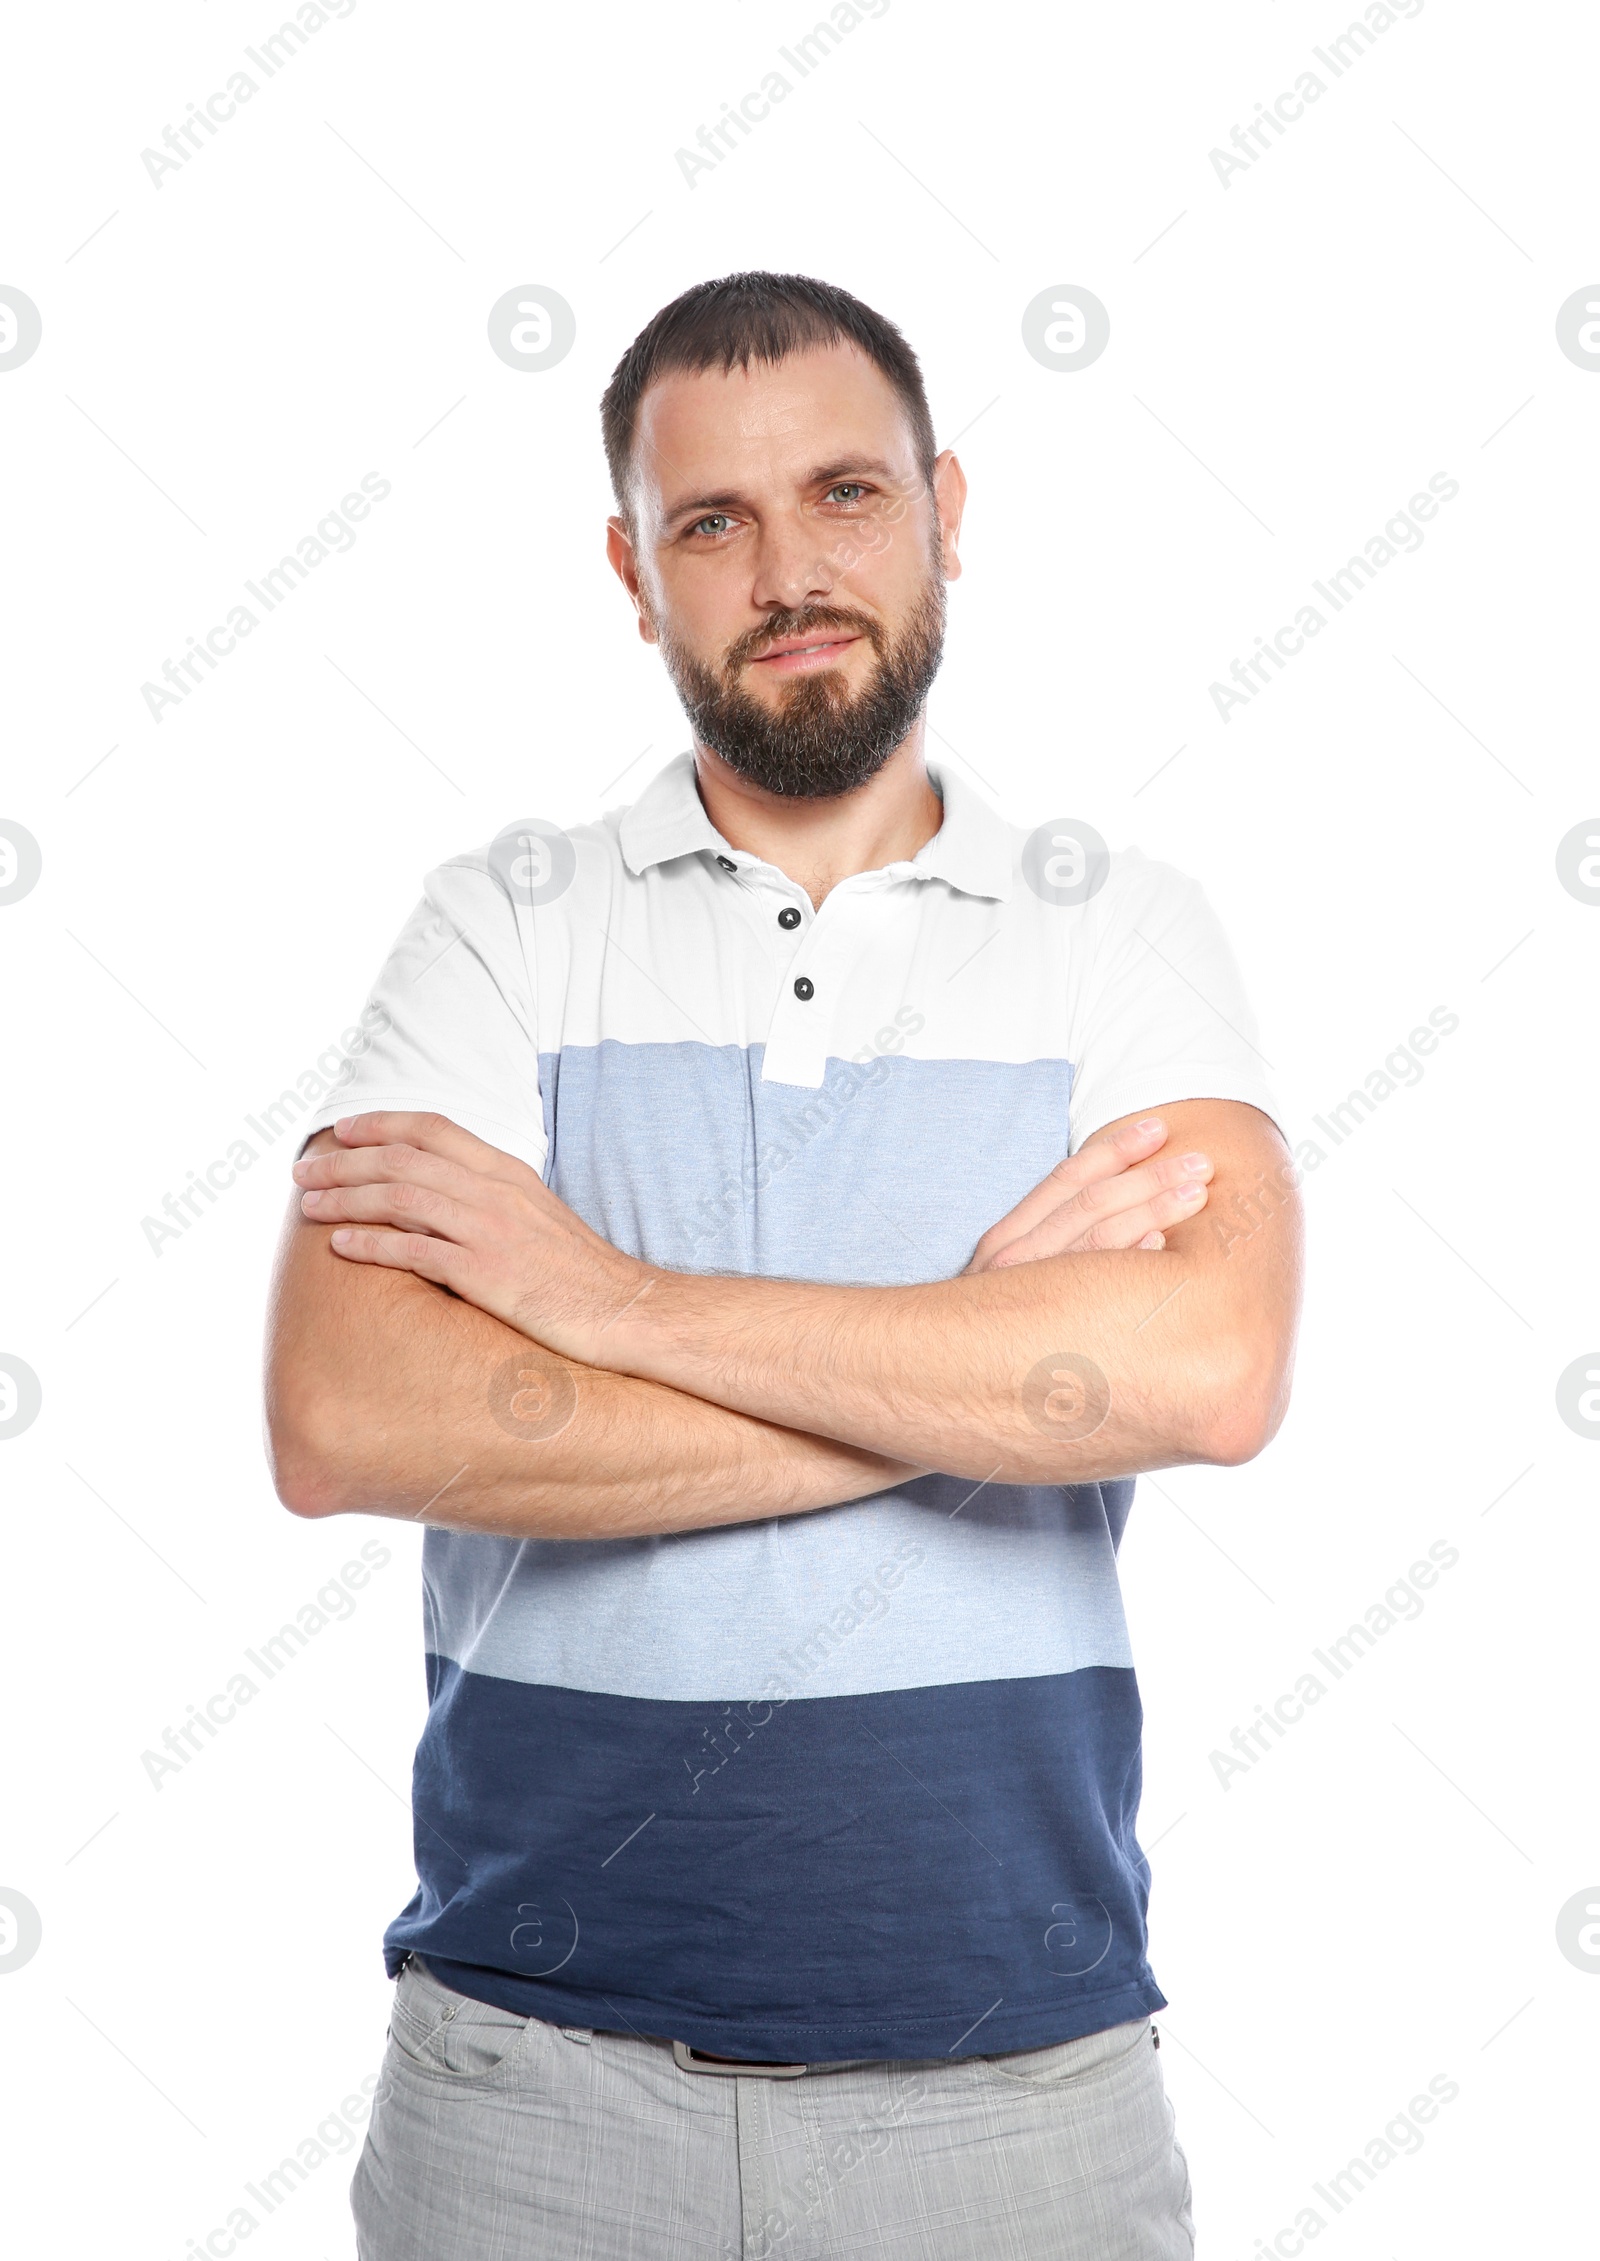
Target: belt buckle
{"x": 694, "y": 2061}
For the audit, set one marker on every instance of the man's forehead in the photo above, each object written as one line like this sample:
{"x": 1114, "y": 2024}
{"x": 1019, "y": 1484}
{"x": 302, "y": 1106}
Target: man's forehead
{"x": 767, "y": 418}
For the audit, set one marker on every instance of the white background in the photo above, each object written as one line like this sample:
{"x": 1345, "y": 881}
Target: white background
{"x": 1292, "y": 355}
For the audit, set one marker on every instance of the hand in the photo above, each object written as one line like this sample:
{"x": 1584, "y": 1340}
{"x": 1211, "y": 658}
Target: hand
{"x": 1118, "y": 1191}
{"x": 419, "y": 1194}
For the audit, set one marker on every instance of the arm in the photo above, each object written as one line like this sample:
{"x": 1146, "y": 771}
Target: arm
{"x": 382, "y": 1399}
{"x": 1188, "y": 1351}
{"x": 1060, "y": 1368}
{"x": 387, "y": 1395}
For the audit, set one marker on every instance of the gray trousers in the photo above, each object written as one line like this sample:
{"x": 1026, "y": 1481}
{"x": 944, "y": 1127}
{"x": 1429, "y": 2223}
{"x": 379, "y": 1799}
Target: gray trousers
{"x": 500, "y": 2138}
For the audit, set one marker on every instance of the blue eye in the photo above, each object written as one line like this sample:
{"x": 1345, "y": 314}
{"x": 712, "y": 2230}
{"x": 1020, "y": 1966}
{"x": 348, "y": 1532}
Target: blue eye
{"x": 712, "y": 518}
{"x": 853, "y": 486}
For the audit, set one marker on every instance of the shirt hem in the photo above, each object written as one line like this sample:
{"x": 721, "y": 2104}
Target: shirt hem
{"x": 509, "y": 1138}
{"x": 1031, "y": 2024}
{"x": 1169, "y": 1090}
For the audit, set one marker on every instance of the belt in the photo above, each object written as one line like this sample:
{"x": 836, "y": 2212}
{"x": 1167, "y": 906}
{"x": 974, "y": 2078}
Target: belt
{"x": 701, "y": 2061}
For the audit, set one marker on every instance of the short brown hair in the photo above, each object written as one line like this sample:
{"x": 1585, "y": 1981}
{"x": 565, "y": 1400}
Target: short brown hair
{"x": 755, "y": 317}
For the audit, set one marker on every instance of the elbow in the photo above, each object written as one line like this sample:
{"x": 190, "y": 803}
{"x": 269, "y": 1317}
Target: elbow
{"x": 304, "y": 1484}
{"x": 1244, "y": 1410}
{"x": 1235, "y": 1436}
{"x": 303, "y": 1488}
{"x": 305, "y": 1471}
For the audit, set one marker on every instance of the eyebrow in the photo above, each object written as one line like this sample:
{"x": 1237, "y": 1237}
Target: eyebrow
{"x": 824, "y": 475}
{"x": 828, "y": 474}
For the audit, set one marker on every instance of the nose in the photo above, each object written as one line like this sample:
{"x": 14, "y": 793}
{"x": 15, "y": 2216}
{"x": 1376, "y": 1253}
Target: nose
{"x": 793, "y": 569}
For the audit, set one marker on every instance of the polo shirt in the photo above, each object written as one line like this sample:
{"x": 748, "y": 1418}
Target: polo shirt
{"x": 863, "y": 1781}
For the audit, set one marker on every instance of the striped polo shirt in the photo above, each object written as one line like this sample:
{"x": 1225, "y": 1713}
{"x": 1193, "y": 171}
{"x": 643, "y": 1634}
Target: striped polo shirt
{"x": 859, "y": 1782}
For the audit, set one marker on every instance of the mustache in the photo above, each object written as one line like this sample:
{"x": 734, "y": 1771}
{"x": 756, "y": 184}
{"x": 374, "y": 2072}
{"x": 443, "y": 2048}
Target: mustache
{"x": 783, "y": 625}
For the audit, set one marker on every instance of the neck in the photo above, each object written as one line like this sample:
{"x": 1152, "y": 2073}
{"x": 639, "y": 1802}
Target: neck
{"x": 818, "y": 843}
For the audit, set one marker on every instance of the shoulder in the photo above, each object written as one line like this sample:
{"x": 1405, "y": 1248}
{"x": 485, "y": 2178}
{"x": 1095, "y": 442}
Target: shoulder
{"x": 1136, "y": 882}
{"x": 530, "y": 863}
{"x": 1101, "y": 893}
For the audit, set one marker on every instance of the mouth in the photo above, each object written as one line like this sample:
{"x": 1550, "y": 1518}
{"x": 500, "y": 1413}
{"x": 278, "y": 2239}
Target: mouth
{"x": 798, "y": 655}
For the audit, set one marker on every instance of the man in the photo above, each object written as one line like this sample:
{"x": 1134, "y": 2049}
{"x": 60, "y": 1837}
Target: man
{"x": 706, "y": 1269}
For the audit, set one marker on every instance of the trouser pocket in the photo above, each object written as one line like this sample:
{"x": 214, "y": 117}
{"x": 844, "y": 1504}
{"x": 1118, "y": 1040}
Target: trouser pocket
{"x": 450, "y": 2037}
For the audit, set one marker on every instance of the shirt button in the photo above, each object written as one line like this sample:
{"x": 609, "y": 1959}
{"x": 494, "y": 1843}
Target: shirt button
{"x": 804, "y": 989}
{"x": 727, "y": 863}
{"x": 789, "y": 917}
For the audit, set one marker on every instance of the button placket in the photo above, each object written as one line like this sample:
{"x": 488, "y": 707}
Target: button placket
{"x": 805, "y": 1013}
{"x": 786, "y": 934}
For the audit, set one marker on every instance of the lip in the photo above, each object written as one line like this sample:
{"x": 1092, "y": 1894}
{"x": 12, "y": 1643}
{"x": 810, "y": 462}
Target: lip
{"x": 800, "y": 654}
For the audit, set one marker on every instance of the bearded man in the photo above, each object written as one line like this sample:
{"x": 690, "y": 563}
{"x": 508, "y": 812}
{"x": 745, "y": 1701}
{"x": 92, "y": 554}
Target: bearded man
{"x": 765, "y": 1239}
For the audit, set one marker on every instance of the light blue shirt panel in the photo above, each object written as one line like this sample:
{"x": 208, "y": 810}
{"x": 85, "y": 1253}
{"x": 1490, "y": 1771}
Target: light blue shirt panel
{"x": 995, "y": 1582}
{"x": 885, "y": 1174}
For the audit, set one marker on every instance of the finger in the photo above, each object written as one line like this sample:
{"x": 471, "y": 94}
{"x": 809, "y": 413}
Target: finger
{"x": 1173, "y": 1205}
{"x": 373, "y": 1165}
{"x": 416, "y": 1208}
{"x": 433, "y": 1134}
{"x": 1101, "y": 1158}
{"x": 1059, "y": 1236}
{"x": 1130, "y": 1190}
{"x": 430, "y": 1259}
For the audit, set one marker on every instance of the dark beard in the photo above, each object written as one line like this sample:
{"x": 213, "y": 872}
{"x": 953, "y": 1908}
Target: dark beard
{"x": 820, "y": 741}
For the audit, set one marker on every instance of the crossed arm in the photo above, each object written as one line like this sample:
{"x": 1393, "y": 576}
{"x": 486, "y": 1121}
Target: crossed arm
{"x": 1113, "y": 1322}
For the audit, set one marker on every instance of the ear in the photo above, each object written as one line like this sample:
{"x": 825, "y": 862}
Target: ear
{"x": 949, "y": 501}
{"x": 625, "y": 565}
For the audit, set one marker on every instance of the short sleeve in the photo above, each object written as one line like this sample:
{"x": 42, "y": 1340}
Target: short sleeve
{"x": 450, "y": 1021}
{"x": 1159, "y": 1012}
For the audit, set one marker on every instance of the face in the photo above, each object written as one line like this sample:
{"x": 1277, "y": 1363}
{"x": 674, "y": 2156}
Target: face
{"x": 790, "y": 561}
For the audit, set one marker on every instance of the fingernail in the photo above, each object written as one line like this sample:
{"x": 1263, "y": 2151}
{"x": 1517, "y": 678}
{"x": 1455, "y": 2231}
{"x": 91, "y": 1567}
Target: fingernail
{"x": 341, "y": 1239}
{"x": 1150, "y": 1123}
{"x": 1190, "y": 1193}
{"x": 1195, "y": 1162}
